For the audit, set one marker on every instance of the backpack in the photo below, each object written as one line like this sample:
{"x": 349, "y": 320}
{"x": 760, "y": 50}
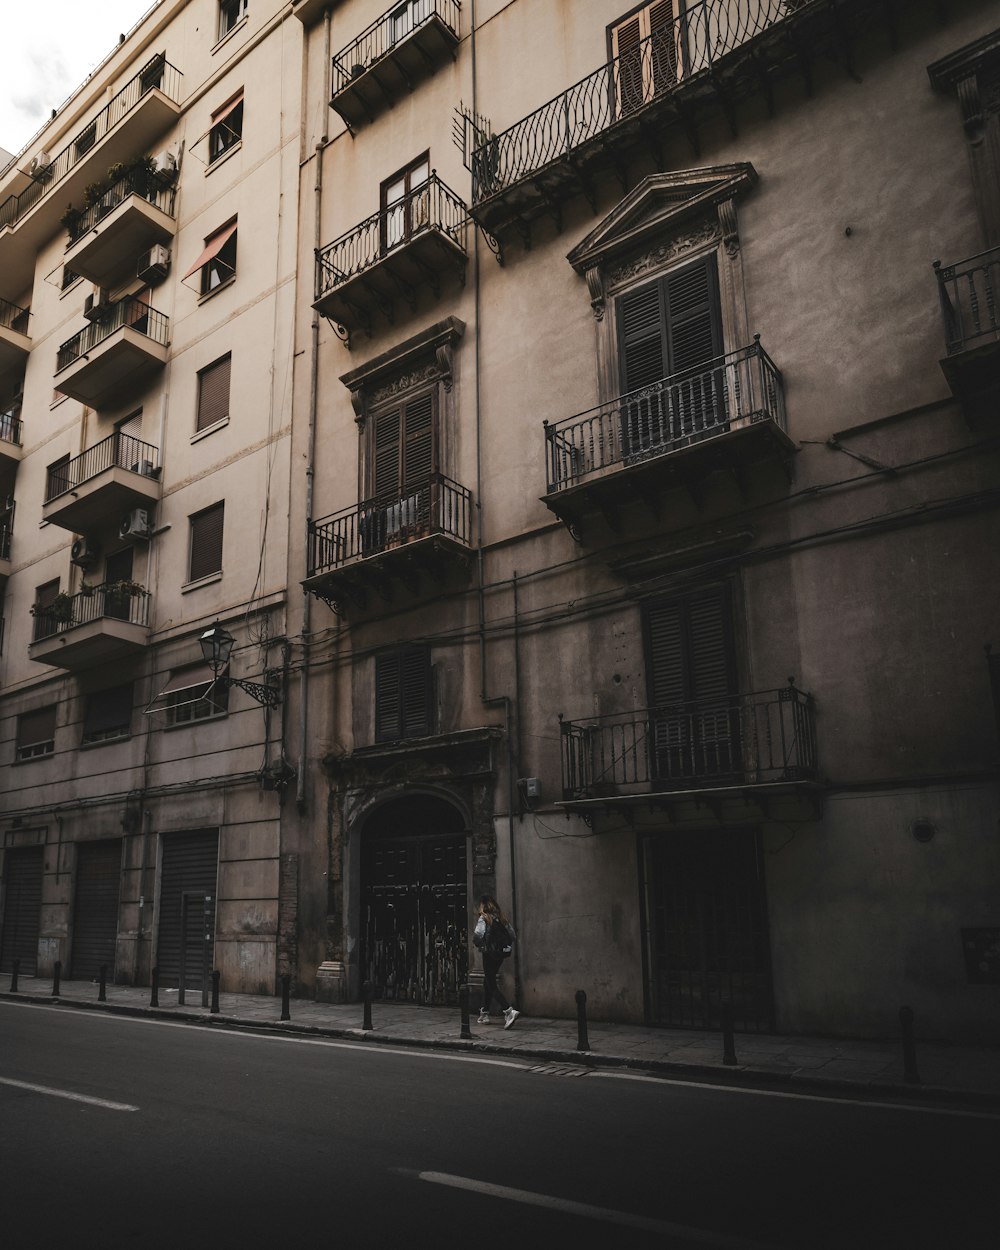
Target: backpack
{"x": 499, "y": 938}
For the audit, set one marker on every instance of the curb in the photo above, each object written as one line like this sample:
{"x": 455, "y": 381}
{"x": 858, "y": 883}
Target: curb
{"x": 739, "y": 1076}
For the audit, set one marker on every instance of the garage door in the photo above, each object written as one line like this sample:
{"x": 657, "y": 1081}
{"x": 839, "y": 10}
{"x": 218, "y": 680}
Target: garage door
{"x": 95, "y": 911}
{"x": 188, "y": 876}
{"x": 22, "y": 905}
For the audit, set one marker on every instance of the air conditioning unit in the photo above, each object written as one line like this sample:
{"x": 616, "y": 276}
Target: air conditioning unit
{"x": 85, "y": 553}
{"x": 96, "y": 305}
{"x": 39, "y": 165}
{"x": 154, "y": 265}
{"x": 136, "y": 524}
{"x": 164, "y": 165}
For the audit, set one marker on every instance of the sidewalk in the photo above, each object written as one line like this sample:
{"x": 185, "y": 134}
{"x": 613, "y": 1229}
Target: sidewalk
{"x": 966, "y": 1074}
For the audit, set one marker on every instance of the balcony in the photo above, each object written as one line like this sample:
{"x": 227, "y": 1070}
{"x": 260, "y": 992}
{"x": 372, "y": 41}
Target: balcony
{"x": 145, "y": 108}
{"x": 310, "y": 11}
{"x": 14, "y": 341}
{"x": 6, "y": 530}
{"x": 105, "y": 240}
{"x": 699, "y": 67}
{"x": 100, "y": 624}
{"x": 126, "y": 341}
{"x": 969, "y": 293}
{"x": 97, "y": 488}
{"x": 391, "y": 56}
{"x": 735, "y": 761}
{"x": 414, "y": 243}
{"x": 10, "y": 435}
{"x": 408, "y": 541}
{"x": 727, "y": 415}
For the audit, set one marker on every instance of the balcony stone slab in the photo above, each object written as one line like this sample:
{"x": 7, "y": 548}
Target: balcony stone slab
{"x": 121, "y": 359}
{"x": 95, "y": 642}
{"x": 106, "y": 254}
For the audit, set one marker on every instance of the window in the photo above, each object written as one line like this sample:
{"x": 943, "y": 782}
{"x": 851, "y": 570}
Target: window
{"x": 404, "y": 205}
{"x": 68, "y": 278}
{"x": 227, "y": 128}
{"x": 217, "y": 262}
{"x": 57, "y": 478}
{"x": 404, "y": 18}
{"x": 403, "y": 694}
{"x": 644, "y": 48}
{"x": 401, "y": 460}
{"x": 231, "y": 13}
{"x": 206, "y": 542}
{"x": 193, "y": 694}
{"x": 36, "y": 733}
{"x": 108, "y": 714}
{"x": 151, "y": 74}
{"x": 85, "y": 140}
{"x": 213, "y": 393}
{"x": 691, "y": 677}
{"x": 669, "y": 332}
{"x": 46, "y": 618}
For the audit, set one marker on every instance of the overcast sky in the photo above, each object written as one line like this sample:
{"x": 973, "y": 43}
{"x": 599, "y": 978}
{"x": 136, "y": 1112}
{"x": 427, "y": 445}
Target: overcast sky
{"x": 47, "y": 49}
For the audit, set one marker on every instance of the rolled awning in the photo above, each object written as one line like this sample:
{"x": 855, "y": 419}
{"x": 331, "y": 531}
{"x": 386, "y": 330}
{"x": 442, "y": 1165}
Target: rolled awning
{"x": 212, "y": 248}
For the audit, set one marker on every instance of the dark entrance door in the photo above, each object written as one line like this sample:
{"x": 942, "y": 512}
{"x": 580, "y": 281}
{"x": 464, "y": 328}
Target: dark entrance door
{"x": 22, "y": 905}
{"x": 414, "y": 908}
{"x": 190, "y": 866}
{"x": 706, "y": 930}
{"x": 95, "y": 913}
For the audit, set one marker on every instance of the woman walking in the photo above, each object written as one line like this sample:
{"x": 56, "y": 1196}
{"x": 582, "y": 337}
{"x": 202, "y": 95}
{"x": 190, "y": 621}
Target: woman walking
{"x": 494, "y": 938}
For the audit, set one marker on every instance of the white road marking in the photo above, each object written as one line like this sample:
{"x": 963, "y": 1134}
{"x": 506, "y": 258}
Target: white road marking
{"x": 527, "y": 1063}
{"x": 626, "y": 1219}
{"x": 65, "y": 1093}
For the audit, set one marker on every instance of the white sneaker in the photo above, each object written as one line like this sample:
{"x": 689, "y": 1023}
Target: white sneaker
{"x": 484, "y": 1017}
{"x": 509, "y": 1016}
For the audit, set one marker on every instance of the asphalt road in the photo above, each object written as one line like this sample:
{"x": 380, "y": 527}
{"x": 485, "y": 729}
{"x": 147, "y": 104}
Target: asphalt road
{"x": 119, "y": 1132}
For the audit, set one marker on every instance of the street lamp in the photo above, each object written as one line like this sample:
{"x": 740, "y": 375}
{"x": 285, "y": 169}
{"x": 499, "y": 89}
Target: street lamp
{"x": 217, "y": 646}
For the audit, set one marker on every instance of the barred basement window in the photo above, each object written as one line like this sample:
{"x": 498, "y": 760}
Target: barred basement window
{"x": 36, "y": 733}
{"x": 206, "y": 542}
{"x": 213, "y": 392}
{"x": 403, "y": 694}
{"x": 108, "y": 714}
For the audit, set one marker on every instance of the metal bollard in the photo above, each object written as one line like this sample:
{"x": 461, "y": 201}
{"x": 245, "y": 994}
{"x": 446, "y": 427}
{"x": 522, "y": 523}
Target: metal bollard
{"x": 14, "y": 970}
{"x": 286, "y": 984}
{"x": 102, "y": 995}
{"x": 154, "y": 988}
{"x": 581, "y": 1021}
{"x": 728, "y": 1040}
{"x": 216, "y": 974}
{"x": 463, "y": 1002}
{"x": 366, "y": 994}
{"x": 56, "y": 974}
{"x": 910, "y": 1074}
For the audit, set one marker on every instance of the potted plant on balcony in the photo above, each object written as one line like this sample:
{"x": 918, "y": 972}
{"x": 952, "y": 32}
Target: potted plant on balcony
{"x": 119, "y": 595}
{"x": 71, "y": 219}
{"x": 61, "y": 609}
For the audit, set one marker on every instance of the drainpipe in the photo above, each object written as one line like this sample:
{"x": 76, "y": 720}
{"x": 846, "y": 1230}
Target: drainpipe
{"x": 490, "y": 700}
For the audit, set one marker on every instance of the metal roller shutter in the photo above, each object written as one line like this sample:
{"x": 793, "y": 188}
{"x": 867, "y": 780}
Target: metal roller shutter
{"x": 95, "y": 915}
{"x": 190, "y": 865}
{"x": 22, "y": 904}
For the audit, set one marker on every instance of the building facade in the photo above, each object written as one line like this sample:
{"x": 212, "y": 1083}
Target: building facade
{"x": 604, "y": 487}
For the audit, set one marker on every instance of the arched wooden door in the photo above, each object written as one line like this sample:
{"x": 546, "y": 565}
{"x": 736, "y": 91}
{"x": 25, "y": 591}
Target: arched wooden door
{"x": 414, "y": 906}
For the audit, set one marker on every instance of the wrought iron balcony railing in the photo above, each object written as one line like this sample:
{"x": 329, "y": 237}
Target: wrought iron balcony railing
{"x": 129, "y": 313}
{"x": 970, "y": 301}
{"x": 13, "y": 317}
{"x": 156, "y": 74}
{"x": 118, "y": 450}
{"x": 739, "y": 389}
{"x": 693, "y": 43}
{"x": 385, "y": 33}
{"x": 435, "y": 506}
{"x": 746, "y": 739}
{"x": 431, "y": 206}
{"x": 138, "y": 181}
{"x": 10, "y": 424}
{"x": 119, "y": 601}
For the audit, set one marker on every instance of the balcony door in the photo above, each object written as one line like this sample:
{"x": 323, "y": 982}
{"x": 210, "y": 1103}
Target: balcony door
{"x": 118, "y": 570}
{"x": 694, "y": 719}
{"x": 401, "y": 460}
{"x": 670, "y": 332}
{"x": 404, "y": 204}
{"x": 646, "y": 54}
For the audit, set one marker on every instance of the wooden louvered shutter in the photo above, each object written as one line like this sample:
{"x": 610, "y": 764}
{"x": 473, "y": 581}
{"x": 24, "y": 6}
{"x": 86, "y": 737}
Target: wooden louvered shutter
{"x": 403, "y": 694}
{"x": 213, "y": 392}
{"x": 206, "y": 541}
{"x": 385, "y": 454}
{"x": 626, "y": 48}
{"x": 662, "y": 45}
{"x": 692, "y": 312}
{"x": 640, "y": 316}
{"x": 418, "y": 446}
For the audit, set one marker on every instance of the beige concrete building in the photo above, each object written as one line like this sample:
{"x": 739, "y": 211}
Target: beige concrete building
{"x": 604, "y": 486}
